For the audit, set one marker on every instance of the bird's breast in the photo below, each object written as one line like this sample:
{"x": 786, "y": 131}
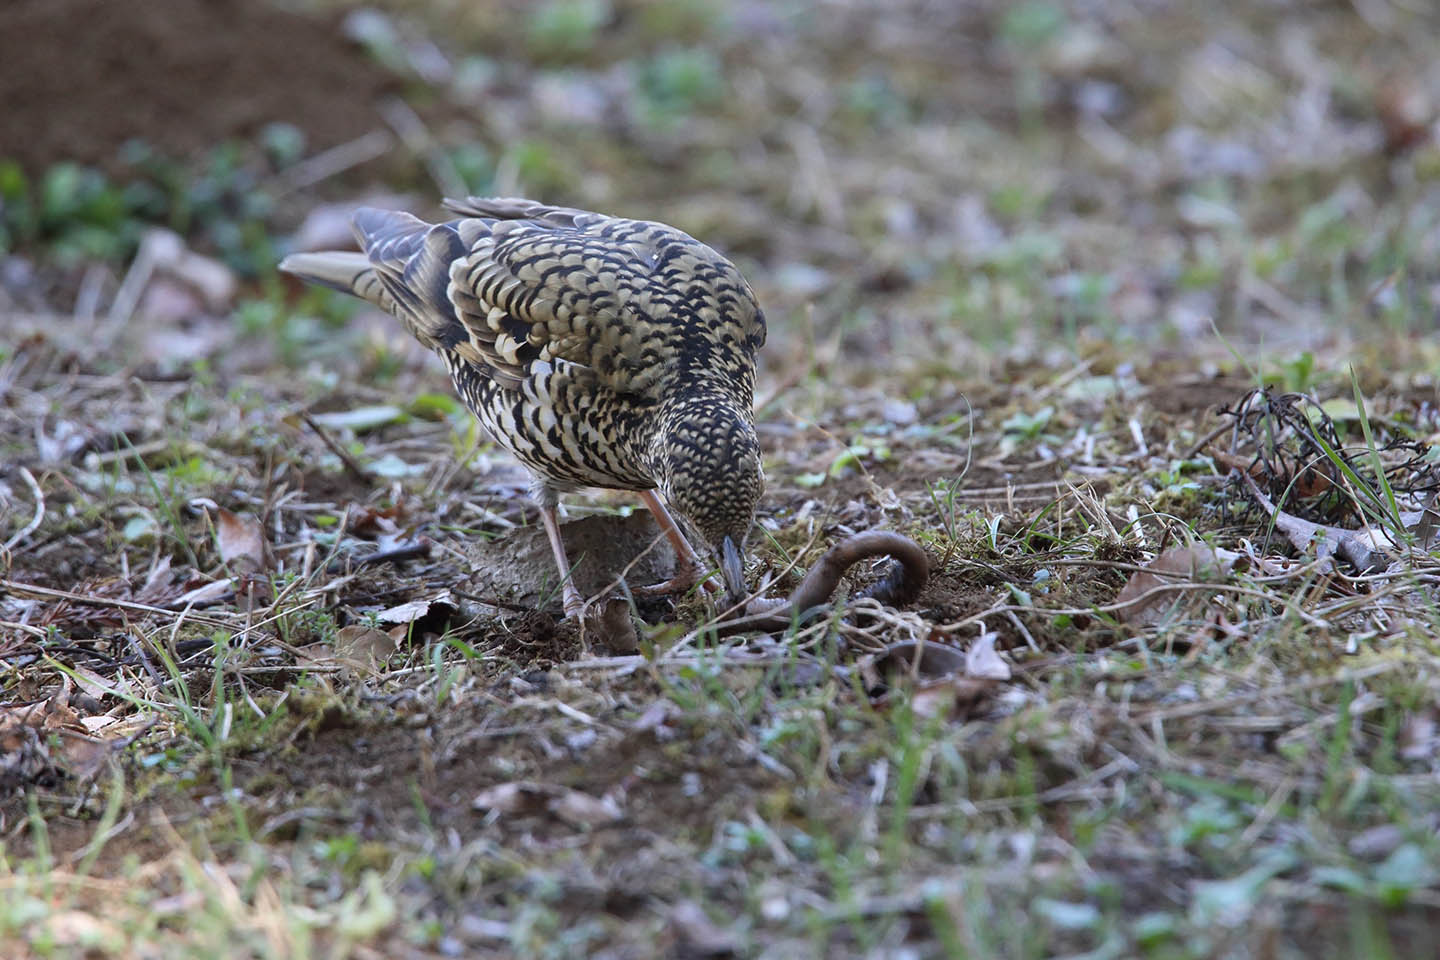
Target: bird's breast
{"x": 569, "y": 434}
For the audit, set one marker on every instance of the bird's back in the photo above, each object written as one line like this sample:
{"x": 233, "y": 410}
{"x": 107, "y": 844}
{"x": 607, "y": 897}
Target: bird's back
{"x": 567, "y": 332}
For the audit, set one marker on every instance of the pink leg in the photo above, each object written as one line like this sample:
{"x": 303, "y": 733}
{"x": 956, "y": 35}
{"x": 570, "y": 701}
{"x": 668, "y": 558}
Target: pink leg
{"x": 574, "y": 603}
{"x": 688, "y": 565}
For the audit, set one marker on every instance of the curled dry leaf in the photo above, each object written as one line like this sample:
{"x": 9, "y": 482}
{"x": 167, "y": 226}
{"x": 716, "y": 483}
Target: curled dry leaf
{"x": 608, "y": 621}
{"x": 364, "y": 645}
{"x": 1368, "y": 550}
{"x": 240, "y": 540}
{"x": 526, "y": 797}
{"x": 421, "y": 611}
{"x": 45, "y": 737}
{"x": 983, "y": 662}
{"x": 582, "y": 810}
{"x": 1145, "y": 596}
{"x": 1418, "y": 738}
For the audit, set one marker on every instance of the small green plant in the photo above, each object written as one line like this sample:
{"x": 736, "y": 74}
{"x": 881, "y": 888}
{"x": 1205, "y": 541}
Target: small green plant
{"x": 562, "y": 30}
{"x": 678, "y": 81}
{"x": 1027, "y": 28}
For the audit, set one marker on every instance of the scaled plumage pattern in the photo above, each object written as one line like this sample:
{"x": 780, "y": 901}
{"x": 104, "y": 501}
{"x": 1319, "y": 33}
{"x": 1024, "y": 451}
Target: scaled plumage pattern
{"x": 600, "y": 351}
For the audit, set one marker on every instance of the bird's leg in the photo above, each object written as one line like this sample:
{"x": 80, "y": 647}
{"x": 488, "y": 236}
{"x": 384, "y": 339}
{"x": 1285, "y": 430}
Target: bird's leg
{"x": 689, "y": 568}
{"x": 570, "y": 594}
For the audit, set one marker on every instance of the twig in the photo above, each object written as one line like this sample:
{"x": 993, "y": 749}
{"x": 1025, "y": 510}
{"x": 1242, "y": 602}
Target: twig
{"x": 139, "y": 649}
{"x": 352, "y": 467}
{"x": 1204, "y": 441}
{"x": 1240, "y": 699}
{"x": 34, "y": 523}
{"x": 1143, "y": 598}
{"x": 15, "y": 586}
{"x": 417, "y": 137}
{"x": 336, "y": 160}
{"x": 404, "y": 551}
{"x": 1079, "y": 789}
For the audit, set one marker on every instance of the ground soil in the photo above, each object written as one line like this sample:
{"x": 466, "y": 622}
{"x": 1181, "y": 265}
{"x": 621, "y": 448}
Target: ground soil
{"x": 132, "y": 70}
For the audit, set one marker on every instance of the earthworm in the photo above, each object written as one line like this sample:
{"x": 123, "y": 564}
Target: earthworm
{"x": 901, "y": 584}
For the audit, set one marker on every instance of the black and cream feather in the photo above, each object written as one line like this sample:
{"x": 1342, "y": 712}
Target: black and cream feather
{"x": 601, "y": 351}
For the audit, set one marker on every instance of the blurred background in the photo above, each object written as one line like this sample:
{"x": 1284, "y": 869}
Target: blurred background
{"x": 919, "y": 188}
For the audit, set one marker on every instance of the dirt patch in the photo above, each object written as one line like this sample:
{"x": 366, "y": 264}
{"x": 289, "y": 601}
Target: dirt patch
{"x": 82, "y": 77}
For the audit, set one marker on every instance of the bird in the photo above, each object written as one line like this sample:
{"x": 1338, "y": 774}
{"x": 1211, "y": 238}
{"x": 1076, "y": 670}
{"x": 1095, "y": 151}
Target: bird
{"x": 600, "y": 351}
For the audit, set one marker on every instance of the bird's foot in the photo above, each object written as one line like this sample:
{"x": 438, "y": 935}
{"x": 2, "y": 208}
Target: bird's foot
{"x": 574, "y": 602}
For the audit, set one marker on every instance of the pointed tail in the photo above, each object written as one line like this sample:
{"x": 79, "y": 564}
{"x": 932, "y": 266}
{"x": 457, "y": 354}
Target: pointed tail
{"x": 346, "y": 271}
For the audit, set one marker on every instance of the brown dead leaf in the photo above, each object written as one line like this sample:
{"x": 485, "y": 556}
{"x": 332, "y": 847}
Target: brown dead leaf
{"x": 1406, "y": 113}
{"x": 654, "y": 717}
{"x": 82, "y": 756}
{"x": 204, "y": 594}
{"x": 1309, "y": 483}
{"x": 363, "y": 644}
{"x": 96, "y": 686}
{"x": 957, "y": 698}
{"x": 79, "y": 929}
{"x": 373, "y": 522}
{"x": 1194, "y": 563}
{"x": 241, "y": 541}
{"x": 1418, "y": 739}
{"x": 520, "y": 797}
{"x": 39, "y": 739}
{"x": 160, "y": 589}
{"x": 919, "y": 661}
{"x": 608, "y": 621}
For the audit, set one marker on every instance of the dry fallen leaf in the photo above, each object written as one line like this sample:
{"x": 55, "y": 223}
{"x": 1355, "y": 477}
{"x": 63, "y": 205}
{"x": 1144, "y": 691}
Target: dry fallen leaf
{"x": 608, "y": 621}
{"x": 240, "y": 540}
{"x": 413, "y": 610}
{"x": 28, "y": 735}
{"x": 921, "y": 661}
{"x": 944, "y": 680}
{"x": 1145, "y": 594}
{"x": 582, "y": 810}
{"x": 364, "y": 645}
{"x": 1368, "y": 550}
{"x": 982, "y": 662}
{"x": 571, "y": 806}
{"x": 1418, "y": 739}
{"x": 97, "y": 686}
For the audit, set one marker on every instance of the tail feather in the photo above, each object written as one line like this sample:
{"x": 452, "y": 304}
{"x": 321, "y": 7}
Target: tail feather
{"x": 404, "y": 269}
{"x": 390, "y": 238}
{"x": 346, "y": 271}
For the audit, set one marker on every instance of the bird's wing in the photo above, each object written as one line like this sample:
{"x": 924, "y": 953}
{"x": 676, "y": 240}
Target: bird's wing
{"x": 514, "y": 283}
{"x": 631, "y": 302}
{"x": 403, "y": 270}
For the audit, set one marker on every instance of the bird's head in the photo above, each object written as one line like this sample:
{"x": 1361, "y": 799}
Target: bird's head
{"x": 708, "y": 467}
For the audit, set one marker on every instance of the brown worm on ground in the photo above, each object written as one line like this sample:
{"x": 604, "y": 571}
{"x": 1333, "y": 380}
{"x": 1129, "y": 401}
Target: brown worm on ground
{"x": 901, "y": 584}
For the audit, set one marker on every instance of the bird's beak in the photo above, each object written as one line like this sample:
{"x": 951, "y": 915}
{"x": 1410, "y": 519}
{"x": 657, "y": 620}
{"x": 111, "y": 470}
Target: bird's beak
{"x": 732, "y": 569}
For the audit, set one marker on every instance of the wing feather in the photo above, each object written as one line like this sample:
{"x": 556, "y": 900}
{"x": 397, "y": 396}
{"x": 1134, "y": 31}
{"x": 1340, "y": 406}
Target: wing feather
{"x": 516, "y": 288}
